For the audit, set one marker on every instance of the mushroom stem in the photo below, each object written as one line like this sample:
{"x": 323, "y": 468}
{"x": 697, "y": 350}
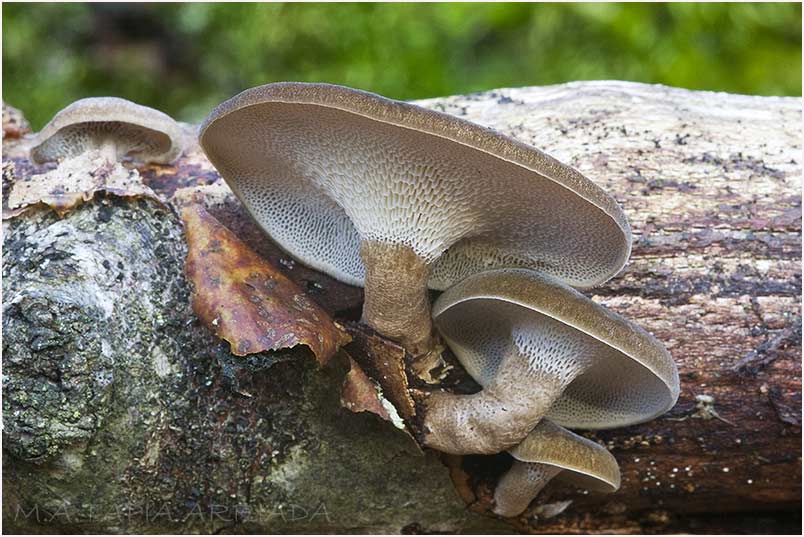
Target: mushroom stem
{"x": 495, "y": 418}
{"x": 520, "y": 485}
{"x": 396, "y": 303}
{"x": 108, "y": 150}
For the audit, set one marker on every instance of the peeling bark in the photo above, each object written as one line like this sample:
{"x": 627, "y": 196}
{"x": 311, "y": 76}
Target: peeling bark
{"x": 113, "y": 391}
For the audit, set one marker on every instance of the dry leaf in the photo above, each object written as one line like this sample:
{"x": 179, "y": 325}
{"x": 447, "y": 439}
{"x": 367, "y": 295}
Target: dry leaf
{"x": 73, "y": 182}
{"x": 247, "y": 301}
{"x": 220, "y": 202}
{"x": 385, "y": 362}
{"x": 360, "y": 394}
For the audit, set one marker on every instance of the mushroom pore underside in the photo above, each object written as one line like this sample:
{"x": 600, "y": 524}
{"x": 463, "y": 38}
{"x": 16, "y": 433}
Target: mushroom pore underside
{"x": 321, "y": 180}
{"x": 325, "y": 183}
{"x": 530, "y": 366}
{"x": 121, "y": 138}
{"x": 550, "y": 451}
{"x": 519, "y": 485}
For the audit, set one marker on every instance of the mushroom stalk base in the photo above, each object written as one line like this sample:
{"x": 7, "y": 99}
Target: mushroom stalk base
{"x": 520, "y": 485}
{"x": 494, "y": 419}
{"x": 396, "y": 303}
{"x": 108, "y": 150}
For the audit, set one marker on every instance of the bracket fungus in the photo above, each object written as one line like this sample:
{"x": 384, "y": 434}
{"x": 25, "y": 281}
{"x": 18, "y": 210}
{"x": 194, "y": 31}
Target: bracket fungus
{"x": 399, "y": 198}
{"x": 540, "y": 348}
{"x": 115, "y": 127}
{"x": 548, "y": 452}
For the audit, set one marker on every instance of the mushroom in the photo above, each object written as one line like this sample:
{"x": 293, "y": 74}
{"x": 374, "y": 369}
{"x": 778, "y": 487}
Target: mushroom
{"x": 539, "y": 348}
{"x": 114, "y": 127}
{"x": 548, "y": 452}
{"x": 397, "y": 198}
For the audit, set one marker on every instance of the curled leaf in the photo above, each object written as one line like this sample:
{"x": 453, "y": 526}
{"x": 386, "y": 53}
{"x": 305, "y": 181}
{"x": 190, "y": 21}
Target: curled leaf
{"x": 385, "y": 362}
{"x": 360, "y": 394}
{"x": 247, "y": 301}
{"x": 218, "y": 199}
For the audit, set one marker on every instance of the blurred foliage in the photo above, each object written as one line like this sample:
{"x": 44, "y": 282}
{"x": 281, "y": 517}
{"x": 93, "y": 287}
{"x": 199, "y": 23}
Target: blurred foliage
{"x": 186, "y": 58}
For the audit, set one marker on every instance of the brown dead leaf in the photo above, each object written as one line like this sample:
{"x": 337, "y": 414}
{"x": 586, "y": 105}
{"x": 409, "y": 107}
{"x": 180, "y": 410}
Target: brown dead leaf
{"x": 360, "y": 394}
{"x": 385, "y": 362}
{"x": 73, "y": 182}
{"x": 247, "y": 301}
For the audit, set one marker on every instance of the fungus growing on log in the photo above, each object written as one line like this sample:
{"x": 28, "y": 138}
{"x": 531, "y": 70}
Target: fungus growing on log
{"x": 540, "y": 348}
{"x": 115, "y": 127}
{"x": 548, "y": 452}
{"x": 397, "y": 198}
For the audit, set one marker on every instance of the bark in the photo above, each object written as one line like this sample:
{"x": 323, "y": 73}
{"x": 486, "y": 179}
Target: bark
{"x": 114, "y": 396}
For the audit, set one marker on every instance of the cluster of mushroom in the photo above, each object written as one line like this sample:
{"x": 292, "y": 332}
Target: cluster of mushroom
{"x": 399, "y": 199}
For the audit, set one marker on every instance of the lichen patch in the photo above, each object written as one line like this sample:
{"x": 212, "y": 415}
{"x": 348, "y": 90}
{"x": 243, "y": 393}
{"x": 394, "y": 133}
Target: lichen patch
{"x": 75, "y": 181}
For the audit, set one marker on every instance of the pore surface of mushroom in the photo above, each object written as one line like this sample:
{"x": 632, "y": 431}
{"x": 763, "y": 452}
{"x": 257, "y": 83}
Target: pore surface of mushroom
{"x": 541, "y": 348}
{"x": 397, "y": 198}
{"x": 548, "y": 452}
{"x": 115, "y": 127}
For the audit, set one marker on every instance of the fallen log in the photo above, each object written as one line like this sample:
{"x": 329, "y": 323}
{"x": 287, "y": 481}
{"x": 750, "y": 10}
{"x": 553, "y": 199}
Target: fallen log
{"x": 123, "y": 414}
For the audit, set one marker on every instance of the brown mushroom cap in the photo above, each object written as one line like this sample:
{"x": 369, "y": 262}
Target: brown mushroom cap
{"x": 549, "y": 452}
{"x": 616, "y": 374}
{"x": 92, "y": 123}
{"x": 583, "y": 463}
{"x": 323, "y": 168}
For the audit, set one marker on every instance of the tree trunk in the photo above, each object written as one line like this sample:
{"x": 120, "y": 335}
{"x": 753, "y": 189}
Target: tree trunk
{"x": 123, "y": 414}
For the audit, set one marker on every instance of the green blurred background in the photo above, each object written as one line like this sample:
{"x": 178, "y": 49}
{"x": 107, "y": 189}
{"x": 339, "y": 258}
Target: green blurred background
{"x": 186, "y": 58}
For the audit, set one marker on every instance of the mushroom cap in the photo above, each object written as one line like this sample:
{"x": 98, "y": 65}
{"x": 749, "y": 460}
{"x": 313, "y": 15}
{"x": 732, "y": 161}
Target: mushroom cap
{"x": 583, "y": 462}
{"x": 151, "y": 135}
{"x": 322, "y": 167}
{"x": 632, "y": 378}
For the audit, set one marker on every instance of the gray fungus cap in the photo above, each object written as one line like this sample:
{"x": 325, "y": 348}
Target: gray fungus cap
{"x": 626, "y": 375}
{"x": 92, "y": 123}
{"x": 582, "y": 462}
{"x": 323, "y": 168}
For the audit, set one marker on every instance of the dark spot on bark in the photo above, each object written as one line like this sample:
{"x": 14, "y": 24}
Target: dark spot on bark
{"x": 789, "y": 414}
{"x": 313, "y": 287}
{"x": 770, "y": 350}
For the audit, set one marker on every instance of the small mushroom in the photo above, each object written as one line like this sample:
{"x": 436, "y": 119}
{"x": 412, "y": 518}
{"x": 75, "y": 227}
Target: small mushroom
{"x": 397, "y": 198}
{"x": 114, "y": 127}
{"x": 541, "y": 348}
{"x": 548, "y": 452}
